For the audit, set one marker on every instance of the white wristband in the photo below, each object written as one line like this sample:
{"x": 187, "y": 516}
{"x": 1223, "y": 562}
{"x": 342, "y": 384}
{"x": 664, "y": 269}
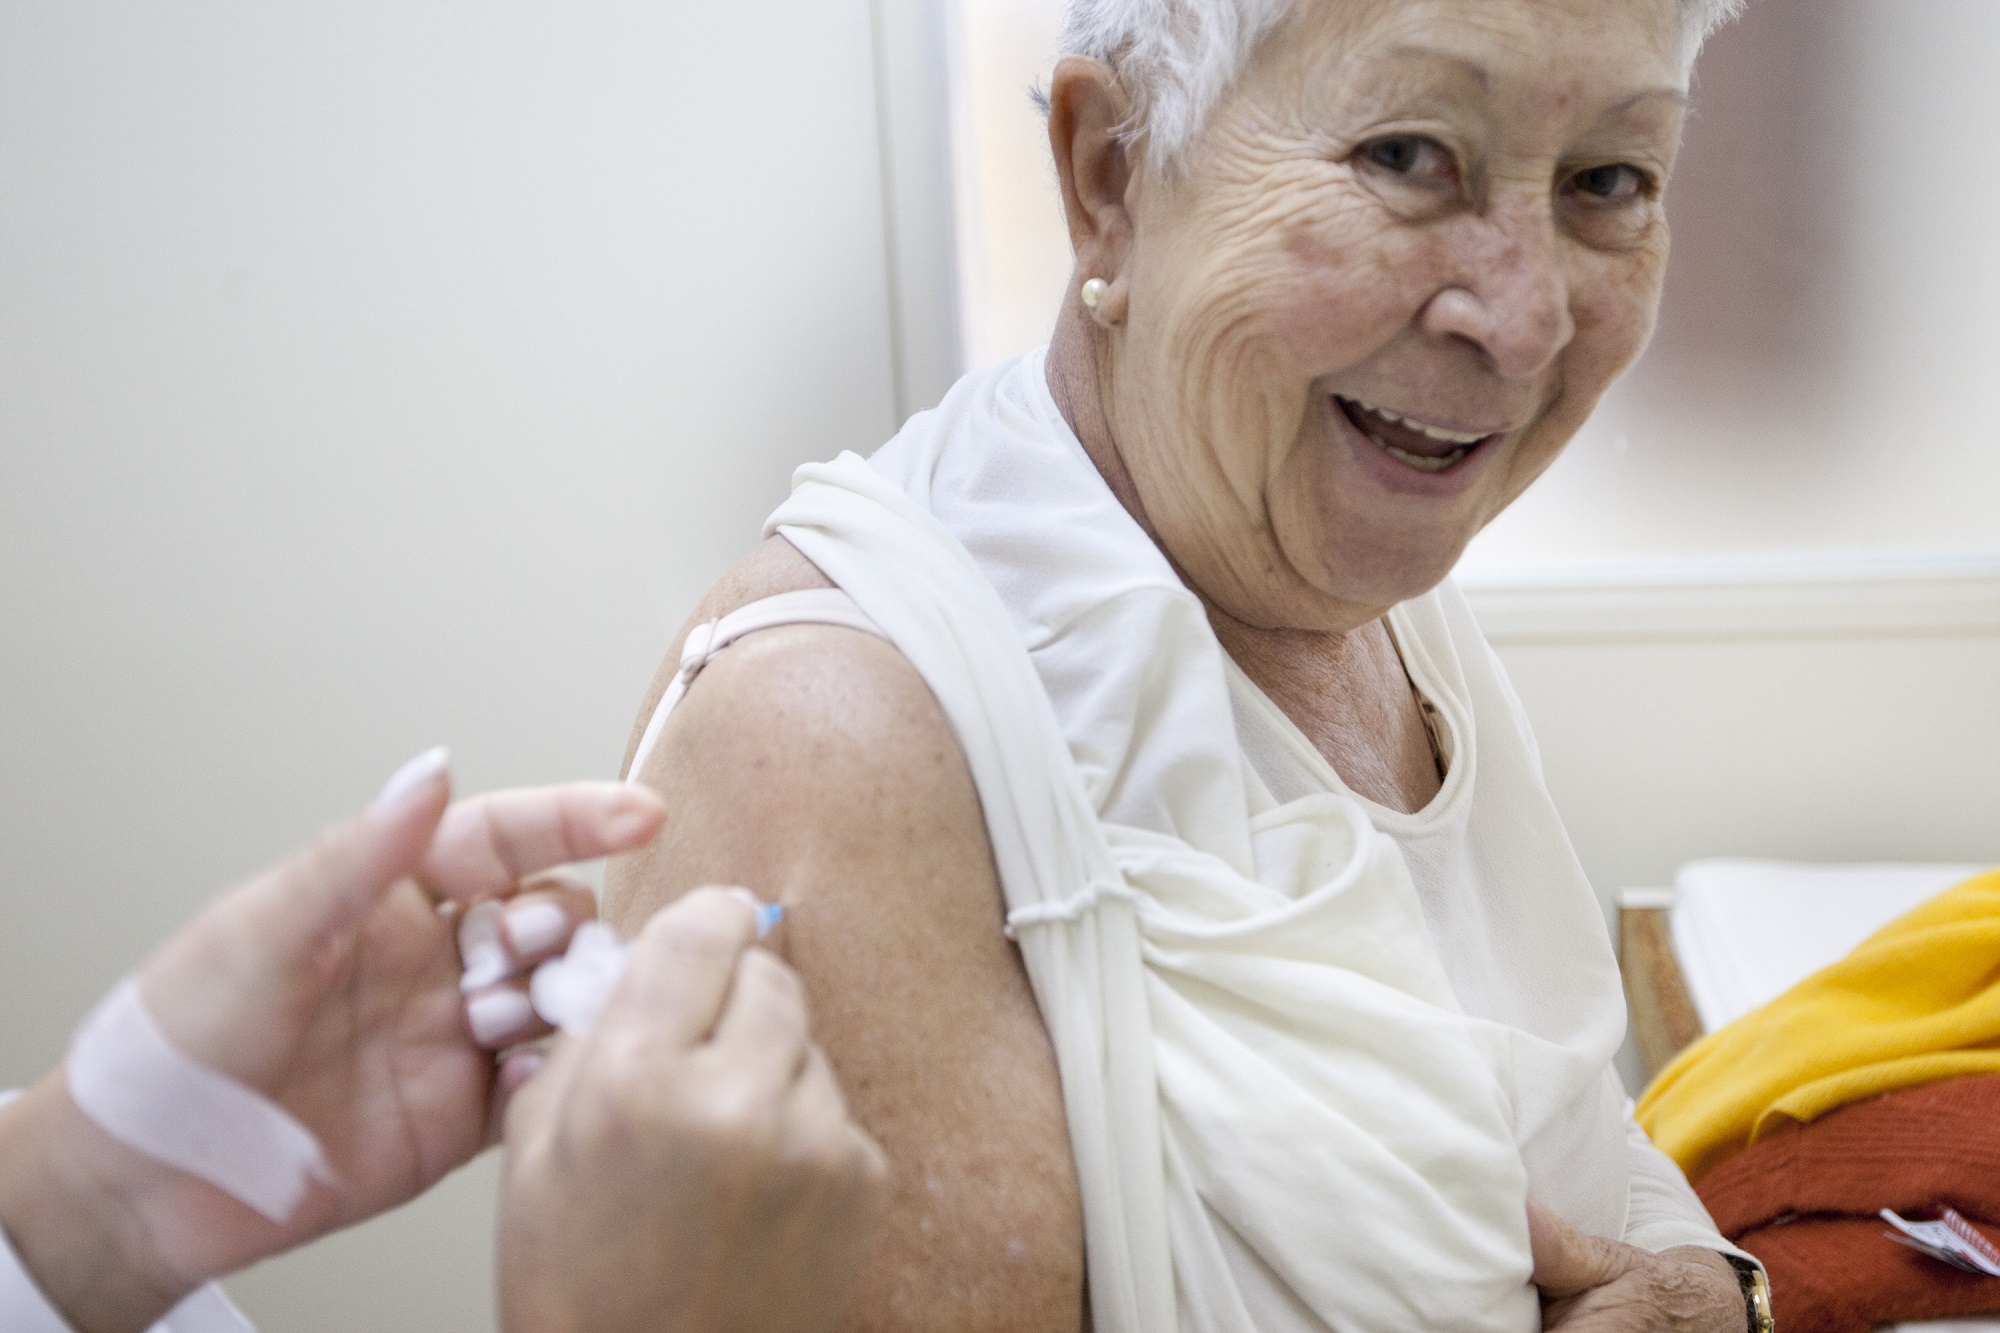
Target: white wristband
{"x": 130, "y": 1081}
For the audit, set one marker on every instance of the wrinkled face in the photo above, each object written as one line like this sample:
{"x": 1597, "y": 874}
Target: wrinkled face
{"x": 1386, "y": 286}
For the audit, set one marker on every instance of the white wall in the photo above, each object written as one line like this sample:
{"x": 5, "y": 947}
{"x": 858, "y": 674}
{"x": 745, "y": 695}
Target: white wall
{"x": 1808, "y": 710}
{"x": 375, "y": 374}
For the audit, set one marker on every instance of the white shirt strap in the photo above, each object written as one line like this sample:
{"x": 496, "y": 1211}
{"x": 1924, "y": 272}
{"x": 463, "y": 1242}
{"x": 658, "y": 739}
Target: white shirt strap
{"x": 808, "y": 606}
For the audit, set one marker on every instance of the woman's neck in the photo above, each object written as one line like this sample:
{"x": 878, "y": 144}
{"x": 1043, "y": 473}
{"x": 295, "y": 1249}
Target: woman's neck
{"x": 1352, "y": 697}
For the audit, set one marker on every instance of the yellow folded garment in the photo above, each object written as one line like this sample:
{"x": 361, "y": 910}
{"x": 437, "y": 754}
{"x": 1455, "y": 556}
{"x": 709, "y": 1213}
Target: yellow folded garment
{"x": 1916, "y": 1002}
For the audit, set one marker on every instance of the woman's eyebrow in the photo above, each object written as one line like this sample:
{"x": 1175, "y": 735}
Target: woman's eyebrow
{"x": 1671, "y": 94}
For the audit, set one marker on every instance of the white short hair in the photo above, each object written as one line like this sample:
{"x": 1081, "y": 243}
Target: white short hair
{"x": 1177, "y": 58}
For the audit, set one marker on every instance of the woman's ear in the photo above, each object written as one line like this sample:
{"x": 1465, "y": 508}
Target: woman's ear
{"x": 1087, "y": 107}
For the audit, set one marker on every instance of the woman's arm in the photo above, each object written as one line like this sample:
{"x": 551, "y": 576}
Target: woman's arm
{"x": 813, "y": 765}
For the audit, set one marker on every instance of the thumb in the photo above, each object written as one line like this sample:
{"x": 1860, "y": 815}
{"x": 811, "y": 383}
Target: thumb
{"x": 1568, "y": 1261}
{"x": 325, "y": 891}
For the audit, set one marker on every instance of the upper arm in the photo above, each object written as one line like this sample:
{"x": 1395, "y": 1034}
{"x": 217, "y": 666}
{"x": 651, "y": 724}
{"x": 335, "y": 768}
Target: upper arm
{"x": 813, "y": 765}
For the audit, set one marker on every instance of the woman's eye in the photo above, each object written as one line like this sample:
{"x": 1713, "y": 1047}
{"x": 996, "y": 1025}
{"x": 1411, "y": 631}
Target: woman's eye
{"x": 1615, "y": 184}
{"x": 1410, "y": 155}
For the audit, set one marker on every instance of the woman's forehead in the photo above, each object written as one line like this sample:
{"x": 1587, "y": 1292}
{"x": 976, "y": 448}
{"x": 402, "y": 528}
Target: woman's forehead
{"x": 1606, "y": 52}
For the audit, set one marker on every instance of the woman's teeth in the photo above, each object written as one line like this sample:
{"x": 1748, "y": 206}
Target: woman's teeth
{"x": 1462, "y": 443}
{"x": 1435, "y": 432}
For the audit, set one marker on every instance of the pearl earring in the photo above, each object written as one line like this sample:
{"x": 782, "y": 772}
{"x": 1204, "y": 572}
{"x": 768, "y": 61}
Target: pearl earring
{"x": 1093, "y": 292}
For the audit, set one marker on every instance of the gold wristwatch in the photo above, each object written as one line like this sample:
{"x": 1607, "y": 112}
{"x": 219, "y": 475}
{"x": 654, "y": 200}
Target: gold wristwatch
{"x": 1756, "y": 1295}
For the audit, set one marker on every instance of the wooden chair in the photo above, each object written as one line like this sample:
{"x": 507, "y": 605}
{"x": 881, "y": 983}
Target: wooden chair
{"x": 1662, "y": 1013}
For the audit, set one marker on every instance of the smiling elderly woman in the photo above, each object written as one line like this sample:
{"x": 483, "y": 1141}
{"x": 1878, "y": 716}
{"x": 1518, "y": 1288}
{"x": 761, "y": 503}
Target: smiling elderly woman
{"x": 1167, "y": 857}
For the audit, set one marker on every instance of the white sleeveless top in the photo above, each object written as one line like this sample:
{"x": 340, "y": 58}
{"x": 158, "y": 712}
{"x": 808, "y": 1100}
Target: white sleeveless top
{"x": 1314, "y": 1052}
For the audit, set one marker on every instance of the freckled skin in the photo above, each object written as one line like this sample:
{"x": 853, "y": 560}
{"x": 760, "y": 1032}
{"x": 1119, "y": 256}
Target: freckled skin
{"x": 1470, "y": 287}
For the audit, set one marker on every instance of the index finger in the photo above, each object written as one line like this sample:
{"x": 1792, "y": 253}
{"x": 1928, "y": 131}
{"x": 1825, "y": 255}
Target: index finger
{"x": 488, "y": 844}
{"x": 678, "y": 975}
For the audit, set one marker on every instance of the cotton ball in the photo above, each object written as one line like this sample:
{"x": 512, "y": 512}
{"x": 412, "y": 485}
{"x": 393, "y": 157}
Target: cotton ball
{"x": 569, "y": 992}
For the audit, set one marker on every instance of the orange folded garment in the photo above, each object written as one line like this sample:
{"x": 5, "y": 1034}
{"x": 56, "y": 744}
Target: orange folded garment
{"x": 1917, "y": 1002}
{"x": 1804, "y": 1198}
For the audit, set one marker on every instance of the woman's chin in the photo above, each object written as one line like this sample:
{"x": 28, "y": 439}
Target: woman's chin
{"x": 1380, "y": 574}
{"x": 1385, "y": 531}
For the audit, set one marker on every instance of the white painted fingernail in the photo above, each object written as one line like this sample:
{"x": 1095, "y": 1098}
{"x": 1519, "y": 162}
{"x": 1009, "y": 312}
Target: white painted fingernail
{"x": 480, "y": 925}
{"x": 536, "y": 927}
{"x": 486, "y": 964}
{"x": 479, "y": 947}
{"x": 498, "y": 1015}
{"x": 413, "y": 777}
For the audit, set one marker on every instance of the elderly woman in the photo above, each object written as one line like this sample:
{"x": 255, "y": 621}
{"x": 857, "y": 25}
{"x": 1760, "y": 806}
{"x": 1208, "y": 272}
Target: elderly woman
{"x": 1168, "y": 860}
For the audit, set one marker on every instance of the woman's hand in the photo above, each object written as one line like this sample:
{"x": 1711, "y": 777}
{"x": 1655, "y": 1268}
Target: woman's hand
{"x": 690, "y": 1164}
{"x": 331, "y": 985}
{"x": 1593, "y": 1285}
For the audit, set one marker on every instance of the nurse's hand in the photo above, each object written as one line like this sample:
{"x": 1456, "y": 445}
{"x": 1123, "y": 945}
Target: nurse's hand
{"x": 690, "y": 1164}
{"x": 331, "y": 985}
{"x": 1593, "y": 1285}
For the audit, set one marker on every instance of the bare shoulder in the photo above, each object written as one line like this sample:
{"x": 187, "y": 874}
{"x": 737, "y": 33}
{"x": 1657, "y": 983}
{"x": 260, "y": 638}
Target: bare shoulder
{"x": 774, "y": 567}
{"x": 800, "y": 743}
{"x": 812, "y": 764}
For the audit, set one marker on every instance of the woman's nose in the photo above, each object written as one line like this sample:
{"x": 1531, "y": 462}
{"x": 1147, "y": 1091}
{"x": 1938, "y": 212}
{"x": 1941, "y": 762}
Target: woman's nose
{"x": 1512, "y": 301}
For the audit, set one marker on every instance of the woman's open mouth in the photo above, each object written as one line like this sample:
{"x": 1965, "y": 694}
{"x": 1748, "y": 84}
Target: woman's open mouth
{"x": 1417, "y": 444}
